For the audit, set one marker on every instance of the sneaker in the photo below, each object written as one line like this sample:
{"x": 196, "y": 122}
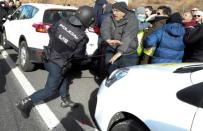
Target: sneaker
{"x": 25, "y": 106}
{"x": 67, "y": 102}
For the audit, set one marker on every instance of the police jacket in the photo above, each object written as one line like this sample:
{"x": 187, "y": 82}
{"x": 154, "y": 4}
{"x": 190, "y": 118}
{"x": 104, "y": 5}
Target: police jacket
{"x": 124, "y": 30}
{"x": 66, "y": 41}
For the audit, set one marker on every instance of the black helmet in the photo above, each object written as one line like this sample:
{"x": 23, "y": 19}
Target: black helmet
{"x": 85, "y": 15}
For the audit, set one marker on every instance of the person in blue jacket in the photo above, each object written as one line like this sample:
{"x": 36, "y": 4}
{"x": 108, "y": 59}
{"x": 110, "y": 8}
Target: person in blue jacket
{"x": 168, "y": 41}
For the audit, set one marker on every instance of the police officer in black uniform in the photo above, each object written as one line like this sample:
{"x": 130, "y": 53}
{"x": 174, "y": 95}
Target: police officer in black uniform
{"x": 67, "y": 40}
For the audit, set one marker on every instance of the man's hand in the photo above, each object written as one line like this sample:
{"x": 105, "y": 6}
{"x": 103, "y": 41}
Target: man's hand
{"x": 115, "y": 57}
{"x": 113, "y": 42}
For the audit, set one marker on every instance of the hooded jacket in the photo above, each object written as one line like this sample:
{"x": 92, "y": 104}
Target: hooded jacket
{"x": 168, "y": 41}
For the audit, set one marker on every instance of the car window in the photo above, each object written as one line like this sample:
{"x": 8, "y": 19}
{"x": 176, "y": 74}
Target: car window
{"x": 34, "y": 11}
{"x": 192, "y": 95}
{"x": 26, "y": 12}
{"x": 52, "y": 16}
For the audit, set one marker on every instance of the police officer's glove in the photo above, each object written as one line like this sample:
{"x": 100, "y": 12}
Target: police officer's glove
{"x": 66, "y": 68}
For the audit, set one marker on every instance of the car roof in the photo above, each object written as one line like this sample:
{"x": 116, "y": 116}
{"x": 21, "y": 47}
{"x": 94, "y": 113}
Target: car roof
{"x": 43, "y": 6}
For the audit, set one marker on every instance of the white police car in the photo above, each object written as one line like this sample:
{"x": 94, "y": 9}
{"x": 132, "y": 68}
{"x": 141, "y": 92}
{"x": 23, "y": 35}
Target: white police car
{"x": 26, "y": 31}
{"x": 156, "y": 97}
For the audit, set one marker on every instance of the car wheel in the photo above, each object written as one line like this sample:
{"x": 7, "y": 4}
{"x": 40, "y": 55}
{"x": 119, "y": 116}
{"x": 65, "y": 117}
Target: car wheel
{"x": 4, "y": 40}
{"x": 23, "y": 57}
{"x": 128, "y": 125}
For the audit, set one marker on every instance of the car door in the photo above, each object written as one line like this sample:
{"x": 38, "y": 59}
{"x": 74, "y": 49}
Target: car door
{"x": 193, "y": 95}
{"x": 197, "y": 79}
{"x": 17, "y": 23}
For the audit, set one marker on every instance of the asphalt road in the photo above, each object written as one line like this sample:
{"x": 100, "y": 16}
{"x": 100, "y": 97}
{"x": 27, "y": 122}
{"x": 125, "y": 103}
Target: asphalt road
{"x": 10, "y": 117}
{"x": 82, "y": 89}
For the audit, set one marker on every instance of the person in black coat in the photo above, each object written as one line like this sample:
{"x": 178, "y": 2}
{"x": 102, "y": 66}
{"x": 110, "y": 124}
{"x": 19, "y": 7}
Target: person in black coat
{"x": 194, "y": 44}
{"x": 3, "y": 12}
{"x": 11, "y": 7}
{"x": 98, "y": 10}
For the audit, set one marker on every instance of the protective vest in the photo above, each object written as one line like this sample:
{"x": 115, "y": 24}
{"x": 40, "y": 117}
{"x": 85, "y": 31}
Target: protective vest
{"x": 140, "y": 37}
{"x": 65, "y": 38}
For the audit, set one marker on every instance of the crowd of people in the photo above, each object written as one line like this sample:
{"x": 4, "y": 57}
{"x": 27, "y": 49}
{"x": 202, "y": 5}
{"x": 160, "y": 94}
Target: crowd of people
{"x": 7, "y": 7}
{"x": 145, "y": 35}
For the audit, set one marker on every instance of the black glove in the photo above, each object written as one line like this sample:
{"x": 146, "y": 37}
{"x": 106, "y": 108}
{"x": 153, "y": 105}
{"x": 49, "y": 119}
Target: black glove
{"x": 46, "y": 54}
{"x": 65, "y": 68}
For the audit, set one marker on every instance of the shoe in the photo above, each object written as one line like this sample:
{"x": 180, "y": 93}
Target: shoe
{"x": 67, "y": 102}
{"x": 25, "y": 106}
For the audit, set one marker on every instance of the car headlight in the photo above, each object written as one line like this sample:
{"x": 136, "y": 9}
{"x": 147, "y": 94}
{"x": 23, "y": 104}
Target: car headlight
{"x": 116, "y": 75}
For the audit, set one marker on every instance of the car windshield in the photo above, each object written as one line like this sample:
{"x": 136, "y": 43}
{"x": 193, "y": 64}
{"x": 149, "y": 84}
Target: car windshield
{"x": 187, "y": 69}
{"x": 52, "y": 16}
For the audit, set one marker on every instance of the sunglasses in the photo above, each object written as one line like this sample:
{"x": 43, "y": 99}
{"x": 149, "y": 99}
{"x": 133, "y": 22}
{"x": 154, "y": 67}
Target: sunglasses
{"x": 196, "y": 15}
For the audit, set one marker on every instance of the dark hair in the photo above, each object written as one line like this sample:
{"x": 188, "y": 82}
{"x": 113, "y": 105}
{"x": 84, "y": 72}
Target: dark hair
{"x": 166, "y": 9}
{"x": 11, "y": 1}
{"x": 149, "y": 7}
{"x": 175, "y": 18}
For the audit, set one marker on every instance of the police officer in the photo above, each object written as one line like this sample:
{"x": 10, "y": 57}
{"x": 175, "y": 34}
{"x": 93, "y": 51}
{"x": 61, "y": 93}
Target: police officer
{"x": 67, "y": 40}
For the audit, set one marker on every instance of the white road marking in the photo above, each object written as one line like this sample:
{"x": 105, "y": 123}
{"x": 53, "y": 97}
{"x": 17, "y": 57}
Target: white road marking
{"x": 45, "y": 112}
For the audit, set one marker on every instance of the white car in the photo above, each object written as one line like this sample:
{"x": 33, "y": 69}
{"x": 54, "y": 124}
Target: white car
{"x": 156, "y": 97}
{"x": 26, "y": 31}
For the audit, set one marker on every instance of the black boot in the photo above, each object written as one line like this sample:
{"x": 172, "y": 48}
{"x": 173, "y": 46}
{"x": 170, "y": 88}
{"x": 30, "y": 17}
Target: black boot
{"x": 25, "y": 106}
{"x": 67, "y": 102}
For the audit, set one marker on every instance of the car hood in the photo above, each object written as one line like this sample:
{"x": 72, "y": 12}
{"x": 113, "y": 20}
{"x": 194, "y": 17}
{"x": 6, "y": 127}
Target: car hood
{"x": 149, "y": 92}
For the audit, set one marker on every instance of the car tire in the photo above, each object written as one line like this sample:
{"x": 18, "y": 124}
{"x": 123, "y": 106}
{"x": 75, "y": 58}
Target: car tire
{"x": 4, "y": 40}
{"x": 128, "y": 125}
{"x": 23, "y": 58}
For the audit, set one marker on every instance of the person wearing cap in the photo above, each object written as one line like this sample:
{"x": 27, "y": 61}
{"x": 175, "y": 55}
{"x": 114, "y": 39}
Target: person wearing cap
{"x": 141, "y": 16}
{"x": 119, "y": 32}
{"x": 67, "y": 40}
{"x": 143, "y": 26}
{"x": 167, "y": 41}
